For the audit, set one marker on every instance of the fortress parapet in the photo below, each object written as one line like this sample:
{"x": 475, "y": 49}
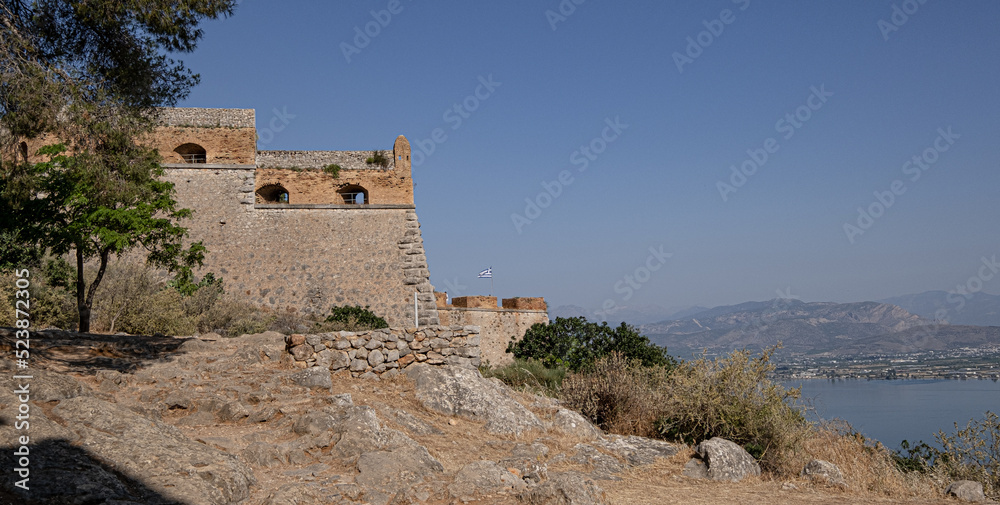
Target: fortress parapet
{"x": 498, "y": 324}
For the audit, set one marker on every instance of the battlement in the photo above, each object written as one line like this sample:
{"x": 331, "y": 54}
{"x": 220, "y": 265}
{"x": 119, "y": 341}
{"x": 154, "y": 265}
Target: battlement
{"x": 207, "y": 118}
{"x": 499, "y": 324}
{"x": 348, "y": 160}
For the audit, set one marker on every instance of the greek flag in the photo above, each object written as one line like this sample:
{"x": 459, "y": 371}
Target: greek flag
{"x": 486, "y": 274}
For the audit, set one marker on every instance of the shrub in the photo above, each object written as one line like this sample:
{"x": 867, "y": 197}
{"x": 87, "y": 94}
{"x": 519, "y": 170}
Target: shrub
{"x": 352, "y": 318}
{"x": 574, "y": 342}
{"x": 231, "y": 317}
{"x": 618, "y": 394}
{"x": 123, "y": 301}
{"x": 160, "y": 312}
{"x": 50, "y": 305}
{"x": 333, "y": 169}
{"x": 970, "y": 453}
{"x": 732, "y": 397}
{"x": 529, "y": 375}
{"x": 378, "y": 158}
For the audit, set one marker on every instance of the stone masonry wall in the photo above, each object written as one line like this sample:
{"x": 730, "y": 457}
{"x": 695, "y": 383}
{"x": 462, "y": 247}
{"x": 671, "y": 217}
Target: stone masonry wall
{"x": 384, "y": 353}
{"x": 497, "y": 327}
{"x": 309, "y": 259}
{"x": 351, "y": 160}
{"x": 317, "y": 187}
{"x": 208, "y": 118}
{"x": 234, "y": 146}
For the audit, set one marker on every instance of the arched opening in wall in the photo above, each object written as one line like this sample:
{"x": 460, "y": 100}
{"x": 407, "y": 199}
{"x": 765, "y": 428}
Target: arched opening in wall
{"x": 272, "y": 193}
{"x": 192, "y": 153}
{"x": 22, "y": 149}
{"x": 354, "y": 194}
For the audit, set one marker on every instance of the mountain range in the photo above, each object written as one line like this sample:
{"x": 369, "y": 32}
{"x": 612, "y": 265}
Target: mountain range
{"x": 934, "y": 320}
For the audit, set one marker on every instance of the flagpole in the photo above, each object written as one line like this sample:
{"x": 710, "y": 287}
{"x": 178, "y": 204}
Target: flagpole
{"x": 491, "y": 280}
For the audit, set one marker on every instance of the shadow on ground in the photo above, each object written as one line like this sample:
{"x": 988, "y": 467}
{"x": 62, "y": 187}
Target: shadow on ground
{"x": 88, "y": 353}
{"x": 61, "y": 474}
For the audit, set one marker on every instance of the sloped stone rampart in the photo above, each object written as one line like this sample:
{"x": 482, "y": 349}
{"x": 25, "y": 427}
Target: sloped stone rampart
{"x": 383, "y": 353}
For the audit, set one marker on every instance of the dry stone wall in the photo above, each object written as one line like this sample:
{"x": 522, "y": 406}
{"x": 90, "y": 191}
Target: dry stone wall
{"x": 308, "y": 259}
{"x": 384, "y": 353}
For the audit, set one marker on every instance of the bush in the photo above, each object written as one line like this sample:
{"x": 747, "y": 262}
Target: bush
{"x": 333, "y": 169}
{"x": 574, "y": 342}
{"x": 350, "y": 318}
{"x": 618, "y": 394}
{"x": 378, "y": 158}
{"x": 732, "y": 397}
{"x": 970, "y": 453}
{"x": 529, "y": 375}
{"x": 49, "y": 305}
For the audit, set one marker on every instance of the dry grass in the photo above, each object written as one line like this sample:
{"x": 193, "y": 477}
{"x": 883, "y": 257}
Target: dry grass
{"x": 618, "y": 395}
{"x": 868, "y": 469}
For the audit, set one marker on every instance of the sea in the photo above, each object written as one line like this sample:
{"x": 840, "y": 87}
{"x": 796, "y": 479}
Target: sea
{"x": 891, "y": 411}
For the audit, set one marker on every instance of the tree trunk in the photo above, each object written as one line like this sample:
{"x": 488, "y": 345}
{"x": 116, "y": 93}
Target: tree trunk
{"x": 85, "y": 297}
{"x": 81, "y": 302}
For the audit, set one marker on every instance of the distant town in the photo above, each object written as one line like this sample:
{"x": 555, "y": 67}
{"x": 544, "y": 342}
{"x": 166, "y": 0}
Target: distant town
{"x": 961, "y": 364}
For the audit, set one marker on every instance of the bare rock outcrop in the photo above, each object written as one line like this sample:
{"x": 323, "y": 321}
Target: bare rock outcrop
{"x": 460, "y": 391}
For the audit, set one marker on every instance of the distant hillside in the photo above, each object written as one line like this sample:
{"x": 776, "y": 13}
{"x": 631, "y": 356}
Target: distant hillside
{"x": 980, "y": 309}
{"x": 926, "y": 338}
{"x": 803, "y": 328}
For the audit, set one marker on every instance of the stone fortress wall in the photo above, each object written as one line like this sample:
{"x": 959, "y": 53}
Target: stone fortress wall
{"x": 283, "y": 233}
{"x": 497, "y": 325}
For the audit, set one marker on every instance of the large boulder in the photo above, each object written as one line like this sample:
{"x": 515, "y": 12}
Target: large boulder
{"x": 968, "y": 490}
{"x": 569, "y": 488}
{"x": 572, "y": 423}
{"x": 313, "y": 377}
{"x": 824, "y": 471}
{"x": 463, "y": 392}
{"x": 726, "y": 460}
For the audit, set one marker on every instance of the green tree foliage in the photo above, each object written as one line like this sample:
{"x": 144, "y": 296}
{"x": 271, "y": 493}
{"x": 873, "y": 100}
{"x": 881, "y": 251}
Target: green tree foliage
{"x": 576, "y": 343}
{"x": 90, "y": 73}
{"x": 77, "y": 207}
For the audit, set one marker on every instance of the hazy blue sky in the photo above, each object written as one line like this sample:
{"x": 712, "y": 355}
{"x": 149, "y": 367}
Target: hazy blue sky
{"x": 867, "y": 84}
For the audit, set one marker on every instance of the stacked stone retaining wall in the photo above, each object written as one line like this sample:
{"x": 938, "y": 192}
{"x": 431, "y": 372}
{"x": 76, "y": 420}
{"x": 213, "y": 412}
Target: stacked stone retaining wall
{"x": 384, "y": 353}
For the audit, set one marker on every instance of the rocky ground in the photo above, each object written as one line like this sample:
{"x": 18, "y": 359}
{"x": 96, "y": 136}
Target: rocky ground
{"x": 151, "y": 420}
